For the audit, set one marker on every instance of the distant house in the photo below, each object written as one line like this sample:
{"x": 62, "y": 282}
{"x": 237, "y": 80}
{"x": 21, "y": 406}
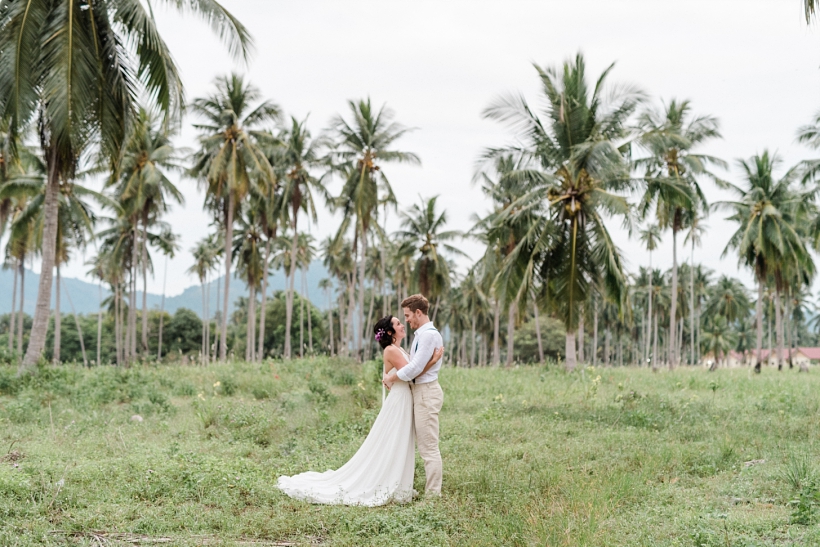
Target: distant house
{"x": 801, "y": 356}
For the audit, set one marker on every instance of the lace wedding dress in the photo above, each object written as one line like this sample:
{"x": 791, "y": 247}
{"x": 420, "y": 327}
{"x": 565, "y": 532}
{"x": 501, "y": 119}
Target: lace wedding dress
{"x": 381, "y": 471}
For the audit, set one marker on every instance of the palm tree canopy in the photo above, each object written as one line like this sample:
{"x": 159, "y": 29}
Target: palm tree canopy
{"x": 80, "y": 67}
{"x": 575, "y": 162}
{"x": 651, "y": 236}
{"x": 362, "y": 147}
{"x": 232, "y": 139}
{"x": 670, "y": 137}
{"x": 772, "y": 215}
{"x": 422, "y": 228}
{"x": 730, "y": 299}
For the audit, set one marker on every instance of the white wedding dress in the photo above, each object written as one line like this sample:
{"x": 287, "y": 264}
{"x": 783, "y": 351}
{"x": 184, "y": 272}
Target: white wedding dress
{"x": 382, "y": 469}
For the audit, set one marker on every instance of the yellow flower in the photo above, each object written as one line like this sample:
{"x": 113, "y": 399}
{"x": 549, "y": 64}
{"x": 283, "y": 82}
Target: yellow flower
{"x": 201, "y": 396}
{"x": 217, "y": 384}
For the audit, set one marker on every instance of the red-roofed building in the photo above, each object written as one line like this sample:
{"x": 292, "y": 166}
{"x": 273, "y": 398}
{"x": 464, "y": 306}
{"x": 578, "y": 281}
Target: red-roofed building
{"x": 801, "y": 356}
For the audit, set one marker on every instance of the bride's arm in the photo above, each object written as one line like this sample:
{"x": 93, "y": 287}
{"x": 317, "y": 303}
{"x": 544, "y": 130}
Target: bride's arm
{"x": 437, "y": 353}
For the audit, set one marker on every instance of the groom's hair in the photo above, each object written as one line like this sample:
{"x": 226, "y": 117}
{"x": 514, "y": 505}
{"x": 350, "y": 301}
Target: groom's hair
{"x": 416, "y": 302}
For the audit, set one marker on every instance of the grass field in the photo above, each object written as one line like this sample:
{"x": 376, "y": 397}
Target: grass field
{"x": 532, "y": 456}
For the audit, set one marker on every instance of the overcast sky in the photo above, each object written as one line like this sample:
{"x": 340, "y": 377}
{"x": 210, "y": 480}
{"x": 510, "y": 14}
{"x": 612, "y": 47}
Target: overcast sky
{"x": 754, "y": 64}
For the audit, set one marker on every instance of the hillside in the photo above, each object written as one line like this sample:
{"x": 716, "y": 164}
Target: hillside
{"x": 86, "y": 296}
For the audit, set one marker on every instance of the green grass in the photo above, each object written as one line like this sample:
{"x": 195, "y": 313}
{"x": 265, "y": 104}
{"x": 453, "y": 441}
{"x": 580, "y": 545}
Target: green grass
{"x": 532, "y": 456}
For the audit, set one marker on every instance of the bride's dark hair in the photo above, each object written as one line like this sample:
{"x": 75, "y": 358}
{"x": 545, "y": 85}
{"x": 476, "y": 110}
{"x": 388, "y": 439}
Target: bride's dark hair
{"x": 384, "y": 332}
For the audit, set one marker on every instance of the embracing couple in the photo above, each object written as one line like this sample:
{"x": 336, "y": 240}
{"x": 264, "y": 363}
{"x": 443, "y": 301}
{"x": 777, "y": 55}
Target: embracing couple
{"x": 382, "y": 469}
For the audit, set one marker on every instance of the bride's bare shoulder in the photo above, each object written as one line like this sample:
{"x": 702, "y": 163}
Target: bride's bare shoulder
{"x": 391, "y": 350}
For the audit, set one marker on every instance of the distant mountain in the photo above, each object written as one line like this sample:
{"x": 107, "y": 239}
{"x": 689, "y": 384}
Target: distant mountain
{"x": 86, "y": 296}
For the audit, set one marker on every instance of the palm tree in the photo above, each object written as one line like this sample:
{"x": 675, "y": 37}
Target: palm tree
{"x": 326, "y": 285}
{"x": 475, "y": 302}
{"x": 232, "y": 157}
{"x": 503, "y": 230}
{"x": 650, "y": 236}
{"x": 422, "y": 227}
{"x": 729, "y": 299}
{"x": 250, "y": 266}
{"x": 304, "y": 258}
{"x": 361, "y": 148}
{"x": 670, "y": 136}
{"x": 810, "y": 8}
{"x": 268, "y": 200}
{"x": 768, "y": 239}
{"x": 719, "y": 339}
{"x": 144, "y": 190}
{"x": 205, "y": 261}
{"x": 702, "y": 282}
{"x": 75, "y": 220}
{"x": 575, "y": 160}
{"x": 79, "y": 71}
{"x": 298, "y": 156}
{"x": 694, "y": 236}
{"x": 338, "y": 259}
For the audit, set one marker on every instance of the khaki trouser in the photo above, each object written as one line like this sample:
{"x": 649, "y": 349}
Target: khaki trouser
{"x": 427, "y": 401}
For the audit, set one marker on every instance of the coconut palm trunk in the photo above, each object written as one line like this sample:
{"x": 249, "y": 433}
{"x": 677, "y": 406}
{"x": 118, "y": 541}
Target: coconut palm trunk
{"x": 581, "y": 339}
{"x": 692, "y": 307}
{"x": 204, "y": 345}
{"x": 370, "y": 320}
{"x": 350, "y": 327}
{"x": 57, "y": 319}
{"x": 649, "y": 316}
{"x": 309, "y": 314}
{"x": 342, "y": 340}
{"x": 79, "y": 328}
{"x": 260, "y": 350}
{"x": 330, "y": 323}
{"x": 13, "y": 309}
{"x": 362, "y": 265}
{"x": 673, "y": 333}
{"x": 144, "y": 263}
{"x": 778, "y": 328}
{"x": 117, "y": 327}
{"x": 787, "y": 328}
{"x": 473, "y": 340}
{"x": 569, "y": 349}
{"x": 99, "y": 329}
{"x": 132, "y": 312}
{"x": 20, "y": 316}
{"x": 301, "y": 324}
{"x": 511, "y": 334}
{"x": 496, "y": 333}
{"x": 594, "y": 335}
{"x": 223, "y": 334}
{"x": 219, "y": 333}
{"x": 291, "y": 282}
{"x": 655, "y": 364}
{"x": 251, "y": 338}
{"x": 162, "y": 312}
{"x": 42, "y": 310}
{"x": 207, "y": 320}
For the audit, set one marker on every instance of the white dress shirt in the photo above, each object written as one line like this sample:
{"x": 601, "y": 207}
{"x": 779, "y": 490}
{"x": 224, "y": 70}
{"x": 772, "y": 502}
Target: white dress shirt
{"x": 425, "y": 341}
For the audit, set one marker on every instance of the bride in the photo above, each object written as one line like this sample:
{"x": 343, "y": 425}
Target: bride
{"x": 382, "y": 469}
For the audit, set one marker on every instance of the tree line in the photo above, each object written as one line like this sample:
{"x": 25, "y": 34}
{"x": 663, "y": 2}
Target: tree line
{"x": 76, "y": 103}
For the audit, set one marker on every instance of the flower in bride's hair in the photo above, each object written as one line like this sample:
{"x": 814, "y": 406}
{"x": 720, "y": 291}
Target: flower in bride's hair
{"x": 379, "y": 334}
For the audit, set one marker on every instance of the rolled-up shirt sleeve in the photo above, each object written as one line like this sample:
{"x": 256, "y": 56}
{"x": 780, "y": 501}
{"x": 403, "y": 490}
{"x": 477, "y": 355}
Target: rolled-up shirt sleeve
{"x": 427, "y": 345}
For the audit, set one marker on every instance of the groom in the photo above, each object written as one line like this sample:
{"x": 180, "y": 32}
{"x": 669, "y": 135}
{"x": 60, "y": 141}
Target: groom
{"x": 427, "y": 394}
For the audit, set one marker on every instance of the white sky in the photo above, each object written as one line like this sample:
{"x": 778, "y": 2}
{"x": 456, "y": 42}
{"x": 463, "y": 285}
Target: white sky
{"x": 752, "y": 63}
